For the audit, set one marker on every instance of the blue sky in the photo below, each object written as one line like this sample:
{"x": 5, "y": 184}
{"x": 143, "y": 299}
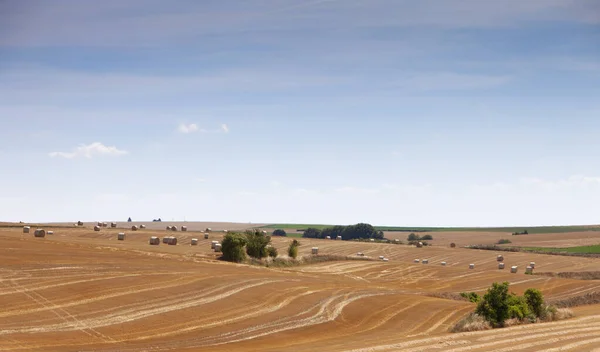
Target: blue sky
{"x": 417, "y": 113}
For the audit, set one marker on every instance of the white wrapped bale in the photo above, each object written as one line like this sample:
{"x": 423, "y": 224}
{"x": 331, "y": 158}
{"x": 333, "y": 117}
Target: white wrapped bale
{"x": 425, "y": 261}
{"x": 443, "y": 263}
{"x": 471, "y": 266}
{"x": 513, "y": 269}
{"x": 50, "y": 233}
{"x": 381, "y": 257}
{"x": 194, "y": 241}
{"x": 218, "y": 247}
{"x": 528, "y": 270}
{"x": 532, "y": 265}
{"x": 327, "y": 237}
{"x": 121, "y": 236}
{"x": 213, "y": 244}
{"x": 26, "y": 229}
{"x": 417, "y": 261}
{"x": 386, "y": 260}
{"x": 339, "y": 238}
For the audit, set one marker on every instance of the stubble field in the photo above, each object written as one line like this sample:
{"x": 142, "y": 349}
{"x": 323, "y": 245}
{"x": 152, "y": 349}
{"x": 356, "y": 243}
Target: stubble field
{"x": 80, "y": 290}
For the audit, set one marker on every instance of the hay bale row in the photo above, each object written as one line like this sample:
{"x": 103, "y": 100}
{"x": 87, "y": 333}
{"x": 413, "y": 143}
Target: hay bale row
{"x": 154, "y": 241}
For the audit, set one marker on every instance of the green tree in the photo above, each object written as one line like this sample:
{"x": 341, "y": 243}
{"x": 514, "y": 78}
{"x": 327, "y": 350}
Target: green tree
{"x": 233, "y": 247}
{"x": 361, "y": 230}
{"x": 413, "y": 237}
{"x": 293, "y": 249}
{"x": 257, "y": 242}
{"x": 494, "y": 304}
{"x": 517, "y": 307}
{"x": 332, "y": 232}
{"x": 312, "y": 232}
{"x": 535, "y": 301}
{"x": 279, "y": 232}
{"x": 427, "y": 238}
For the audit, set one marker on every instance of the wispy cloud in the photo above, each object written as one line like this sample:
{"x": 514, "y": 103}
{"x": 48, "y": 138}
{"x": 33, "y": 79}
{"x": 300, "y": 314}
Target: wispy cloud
{"x": 225, "y": 128}
{"x": 89, "y": 151}
{"x": 189, "y": 128}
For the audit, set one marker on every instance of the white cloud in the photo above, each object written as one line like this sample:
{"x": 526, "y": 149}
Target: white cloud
{"x": 225, "y": 128}
{"x": 89, "y": 151}
{"x": 190, "y": 128}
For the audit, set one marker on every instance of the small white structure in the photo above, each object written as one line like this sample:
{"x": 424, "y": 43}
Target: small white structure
{"x": 417, "y": 261}
{"x": 372, "y": 240}
{"x": 443, "y": 263}
{"x": 50, "y": 233}
{"x": 528, "y": 270}
{"x": 381, "y": 257}
{"x": 194, "y": 241}
{"x": 425, "y": 261}
{"x": 327, "y": 237}
{"x": 532, "y": 265}
{"x": 183, "y": 228}
{"x": 213, "y": 244}
{"x": 386, "y": 260}
{"x": 471, "y": 266}
{"x": 26, "y": 229}
{"x": 500, "y": 258}
{"x": 339, "y": 238}
{"x": 218, "y": 247}
{"x": 315, "y": 250}
{"x": 501, "y": 266}
{"x": 96, "y": 228}
{"x": 121, "y": 236}
{"x": 154, "y": 241}
{"x": 513, "y": 269}
{"x": 39, "y": 233}
{"x": 205, "y": 236}
{"x": 134, "y": 228}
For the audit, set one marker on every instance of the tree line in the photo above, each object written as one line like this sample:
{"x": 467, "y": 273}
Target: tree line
{"x": 351, "y": 232}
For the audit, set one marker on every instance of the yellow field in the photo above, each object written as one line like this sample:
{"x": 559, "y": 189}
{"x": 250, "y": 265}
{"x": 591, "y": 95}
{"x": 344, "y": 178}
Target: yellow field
{"x": 80, "y": 290}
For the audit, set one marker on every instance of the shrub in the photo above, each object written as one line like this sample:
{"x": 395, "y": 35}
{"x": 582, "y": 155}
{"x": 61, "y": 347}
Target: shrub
{"x": 494, "y": 305}
{"x": 272, "y": 252}
{"x": 471, "y": 296}
{"x": 504, "y": 241}
{"x": 535, "y": 301}
{"x": 257, "y": 242}
{"x": 293, "y": 249}
{"x": 472, "y": 322}
{"x": 412, "y": 237}
{"x": 233, "y": 247}
{"x": 518, "y": 308}
{"x": 279, "y": 232}
{"x": 427, "y": 237}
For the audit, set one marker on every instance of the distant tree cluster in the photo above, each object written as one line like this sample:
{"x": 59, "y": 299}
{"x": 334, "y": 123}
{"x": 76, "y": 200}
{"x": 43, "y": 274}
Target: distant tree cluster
{"x": 352, "y": 232}
{"x": 412, "y": 237}
{"x": 524, "y": 232}
{"x": 279, "y": 232}
{"x": 255, "y": 243}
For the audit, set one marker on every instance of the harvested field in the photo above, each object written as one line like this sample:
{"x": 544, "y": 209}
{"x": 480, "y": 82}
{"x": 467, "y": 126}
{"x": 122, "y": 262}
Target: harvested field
{"x": 84, "y": 290}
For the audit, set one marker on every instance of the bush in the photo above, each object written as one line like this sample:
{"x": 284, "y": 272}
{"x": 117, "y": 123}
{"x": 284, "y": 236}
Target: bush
{"x": 494, "y": 305}
{"x": 472, "y": 322}
{"x": 412, "y": 237}
{"x": 471, "y": 297}
{"x": 503, "y": 241}
{"x": 233, "y": 247}
{"x": 272, "y": 252}
{"x": 279, "y": 232}
{"x": 257, "y": 242}
{"x": 293, "y": 249}
{"x": 427, "y": 237}
{"x": 518, "y": 308}
{"x": 332, "y": 232}
{"x": 361, "y": 230}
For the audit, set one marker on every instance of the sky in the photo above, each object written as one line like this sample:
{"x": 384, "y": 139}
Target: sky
{"x": 391, "y": 112}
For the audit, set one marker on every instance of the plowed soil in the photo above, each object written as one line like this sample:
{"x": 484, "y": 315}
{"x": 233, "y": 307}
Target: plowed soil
{"x": 80, "y": 290}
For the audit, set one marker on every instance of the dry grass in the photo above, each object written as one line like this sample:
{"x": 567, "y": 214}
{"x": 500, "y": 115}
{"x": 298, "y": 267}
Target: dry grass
{"x": 576, "y": 301}
{"x": 448, "y": 295}
{"x": 581, "y": 275}
{"x": 284, "y": 261}
{"x": 472, "y": 322}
